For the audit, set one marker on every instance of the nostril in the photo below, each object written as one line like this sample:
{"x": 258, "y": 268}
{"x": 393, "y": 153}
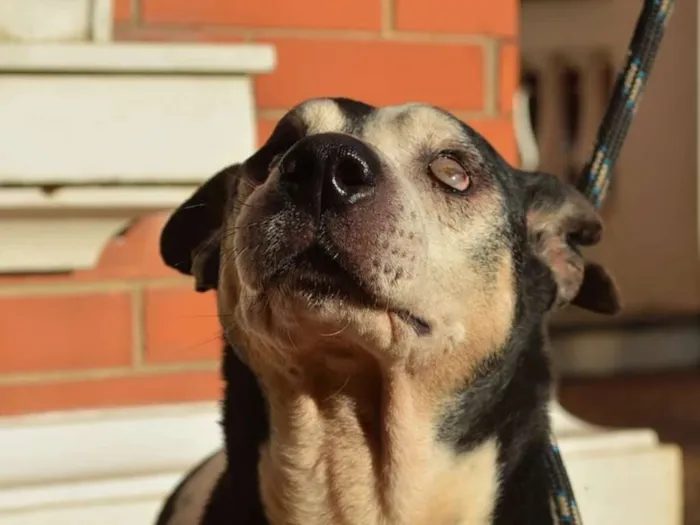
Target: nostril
{"x": 352, "y": 172}
{"x": 351, "y": 177}
{"x": 298, "y": 165}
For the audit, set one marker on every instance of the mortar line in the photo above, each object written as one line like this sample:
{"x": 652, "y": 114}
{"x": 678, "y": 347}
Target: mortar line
{"x": 337, "y": 34}
{"x": 64, "y": 288}
{"x": 391, "y": 36}
{"x": 138, "y": 328}
{"x": 137, "y": 13}
{"x": 388, "y": 14}
{"x": 95, "y": 374}
{"x": 88, "y": 287}
{"x": 491, "y": 77}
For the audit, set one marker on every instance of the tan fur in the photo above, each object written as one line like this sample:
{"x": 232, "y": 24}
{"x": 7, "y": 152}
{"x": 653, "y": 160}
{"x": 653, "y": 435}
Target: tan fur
{"x": 321, "y": 116}
{"x": 402, "y": 131}
{"x": 355, "y": 395}
{"x": 194, "y": 494}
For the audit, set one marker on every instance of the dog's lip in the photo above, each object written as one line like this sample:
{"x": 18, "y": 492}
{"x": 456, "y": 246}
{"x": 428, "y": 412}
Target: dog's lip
{"x": 316, "y": 271}
{"x": 419, "y": 325}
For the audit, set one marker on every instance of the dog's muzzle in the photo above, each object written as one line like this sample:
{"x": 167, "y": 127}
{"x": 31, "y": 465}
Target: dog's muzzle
{"x": 329, "y": 223}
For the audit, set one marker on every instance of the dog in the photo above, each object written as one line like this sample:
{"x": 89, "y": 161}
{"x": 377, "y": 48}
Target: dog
{"x": 383, "y": 281}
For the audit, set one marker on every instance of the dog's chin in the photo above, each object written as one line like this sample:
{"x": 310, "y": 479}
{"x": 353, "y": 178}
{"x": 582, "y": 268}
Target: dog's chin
{"x": 314, "y": 283}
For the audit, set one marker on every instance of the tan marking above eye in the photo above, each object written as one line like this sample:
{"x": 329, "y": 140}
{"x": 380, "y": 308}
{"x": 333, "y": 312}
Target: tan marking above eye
{"x": 450, "y": 172}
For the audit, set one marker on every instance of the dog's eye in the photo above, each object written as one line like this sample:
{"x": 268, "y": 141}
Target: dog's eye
{"x": 450, "y": 172}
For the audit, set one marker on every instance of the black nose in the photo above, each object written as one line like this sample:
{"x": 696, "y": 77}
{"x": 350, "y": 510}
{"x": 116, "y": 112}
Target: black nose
{"x": 329, "y": 171}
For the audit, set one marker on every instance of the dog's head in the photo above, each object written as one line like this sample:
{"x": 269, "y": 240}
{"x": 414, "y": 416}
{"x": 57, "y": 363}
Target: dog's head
{"x": 396, "y": 231}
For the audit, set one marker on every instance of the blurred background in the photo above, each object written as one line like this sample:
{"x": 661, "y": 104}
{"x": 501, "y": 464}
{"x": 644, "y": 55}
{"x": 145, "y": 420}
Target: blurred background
{"x": 111, "y": 113}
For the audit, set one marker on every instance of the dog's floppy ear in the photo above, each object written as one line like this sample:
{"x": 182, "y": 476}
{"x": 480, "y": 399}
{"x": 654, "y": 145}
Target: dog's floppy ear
{"x": 560, "y": 221}
{"x": 190, "y": 239}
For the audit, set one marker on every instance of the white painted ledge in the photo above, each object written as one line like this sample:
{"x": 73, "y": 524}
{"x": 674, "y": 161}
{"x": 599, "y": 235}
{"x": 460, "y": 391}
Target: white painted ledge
{"x": 112, "y": 131}
{"x": 76, "y": 114}
{"x": 92, "y": 198}
{"x": 91, "y": 128}
{"x": 132, "y": 58}
{"x": 68, "y": 228}
{"x": 114, "y": 467}
{"x": 52, "y": 21}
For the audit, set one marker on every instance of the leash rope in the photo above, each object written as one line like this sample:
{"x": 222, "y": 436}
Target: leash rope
{"x": 623, "y": 104}
{"x": 595, "y": 181}
{"x": 563, "y": 500}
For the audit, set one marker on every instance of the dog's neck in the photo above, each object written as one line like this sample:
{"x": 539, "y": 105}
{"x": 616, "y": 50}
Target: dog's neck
{"x": 359, "y": 445}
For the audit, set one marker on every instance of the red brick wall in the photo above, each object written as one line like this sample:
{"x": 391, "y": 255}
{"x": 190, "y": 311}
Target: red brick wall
{"x": 131, "y": 331}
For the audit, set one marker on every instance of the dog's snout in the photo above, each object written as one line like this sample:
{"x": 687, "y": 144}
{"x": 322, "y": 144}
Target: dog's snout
{"x": 329, "y": 171}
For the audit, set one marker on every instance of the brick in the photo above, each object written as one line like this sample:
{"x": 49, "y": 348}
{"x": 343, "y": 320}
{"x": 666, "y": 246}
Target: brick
{"x": 477, "y": 17}
{"x": 306, "y": 14}
{"x": 508, "y": 76}
{"x": 181, "y": 325}
{"x": 136, "y": 254}
{"x": 378, "y": 72}
{"x": 133, "y": 255}
{"x": 65, "y": 332}
{"x": 177, "y": 387}
{"x": 500, "y": 133}
{"x": 123, "y": 10}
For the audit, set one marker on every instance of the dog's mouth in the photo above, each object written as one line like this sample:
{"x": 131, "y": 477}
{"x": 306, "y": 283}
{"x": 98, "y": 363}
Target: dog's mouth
{"x": 319, "y": 275}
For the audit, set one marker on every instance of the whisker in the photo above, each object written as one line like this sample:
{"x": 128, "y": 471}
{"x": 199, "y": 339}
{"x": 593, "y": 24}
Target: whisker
{"x": 192, "y": 206}
{"x": 217, "y": 336}
{"x": 249, "y": 183}
{"x": 337, "y": 392}
{"x": 200, "y": 316}
{"x": 291, "y": 342}
{"x": 244, "y": 204}
{"x": 233, "y": 256}
{"x": 336, "y": 333}
{"x": 226, "y": 233}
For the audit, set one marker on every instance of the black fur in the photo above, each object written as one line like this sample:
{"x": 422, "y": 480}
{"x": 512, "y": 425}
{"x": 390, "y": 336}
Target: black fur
{"x": 191, "y": 233}
{"x": 245, "y": 427}
{"x": 508, "y": 399}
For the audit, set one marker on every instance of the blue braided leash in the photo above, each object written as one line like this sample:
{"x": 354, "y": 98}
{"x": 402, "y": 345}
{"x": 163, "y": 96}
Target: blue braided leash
{"x": 627, "y": 94}
{"x": 595, "y": 181}
{"x": 562, "y": 498}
